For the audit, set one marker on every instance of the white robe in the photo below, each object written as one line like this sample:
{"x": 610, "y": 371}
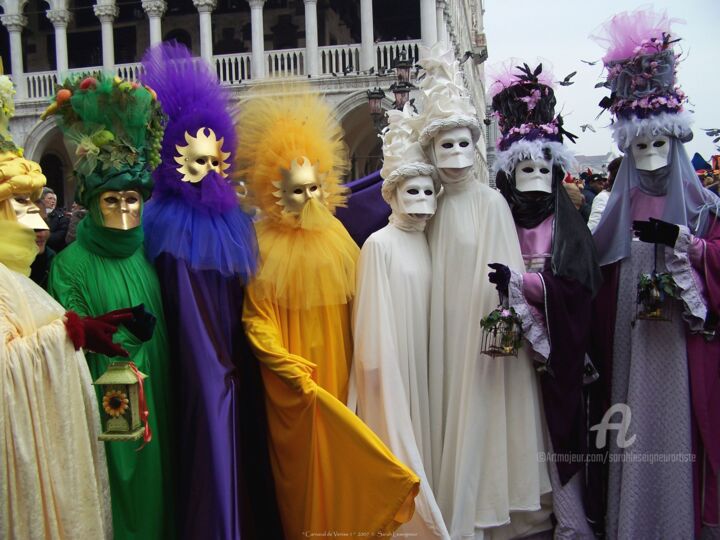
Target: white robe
{"x": 53, "y": 477}
{"x": 486, "y": 422}
{"x": 390, "y": 330}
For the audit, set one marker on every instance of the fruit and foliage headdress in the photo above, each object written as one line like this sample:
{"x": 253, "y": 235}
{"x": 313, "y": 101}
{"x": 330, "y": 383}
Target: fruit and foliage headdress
{"x": 7, "y": 111}
{"x": 113, "y": 129}
{"x": 17, "y": 174}
{"x": 280, "y": 126}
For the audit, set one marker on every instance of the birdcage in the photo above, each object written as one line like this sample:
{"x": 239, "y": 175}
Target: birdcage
{"x": 655, "y": 294}
{"x": 502, "y": 333}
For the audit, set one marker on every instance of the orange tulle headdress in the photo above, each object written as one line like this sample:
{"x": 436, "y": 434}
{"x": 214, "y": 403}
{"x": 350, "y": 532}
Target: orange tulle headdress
{"x": 281, "y": 124}
{"x": 307, "y": 258}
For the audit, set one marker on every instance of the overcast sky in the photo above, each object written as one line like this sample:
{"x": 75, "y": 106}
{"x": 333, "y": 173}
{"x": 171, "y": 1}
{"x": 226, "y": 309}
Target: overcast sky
{"x": 558, "y": 30}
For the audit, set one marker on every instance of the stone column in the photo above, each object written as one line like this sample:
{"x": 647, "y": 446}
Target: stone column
{"x": 442, "y": 36}
{"x": 107, "y": 13}
{"x": 367, "y": 35}
{"x": 258, "y": 38}
{"x": 205, "y": 9}
{"x": 312, "y": 54}
{"x": 428, "y": 26}
{"x": 155, "y": 9}
{"x": 15, "y": 22}
{"x": 60, "y": 18}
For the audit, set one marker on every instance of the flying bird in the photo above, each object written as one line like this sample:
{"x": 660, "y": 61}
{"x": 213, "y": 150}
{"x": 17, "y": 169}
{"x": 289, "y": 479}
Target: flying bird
{"x": 566, "y": 81}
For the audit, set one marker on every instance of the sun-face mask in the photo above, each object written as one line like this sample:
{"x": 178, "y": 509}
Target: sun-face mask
{"x": 27, "y": 213}
{"x": 650, "y": 153}
{"x": 300, "y": 183}
{"x": 454, "y": 148}
{"x": 202, "y": 154}
{"x": 121, "y": 209}
{"x": 416, "y": 197}
{"x": 533, "y": 176}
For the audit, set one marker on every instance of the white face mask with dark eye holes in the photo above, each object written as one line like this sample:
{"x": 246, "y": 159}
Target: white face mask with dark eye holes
{"x": 454, "y": 149}
{"x": 416, "y": 197}
{"x": 533, "y": 176}
{"x": 651, "y": 153}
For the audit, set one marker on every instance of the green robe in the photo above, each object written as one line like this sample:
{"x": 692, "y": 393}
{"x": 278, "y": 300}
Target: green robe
{"x": 92, "y": 284}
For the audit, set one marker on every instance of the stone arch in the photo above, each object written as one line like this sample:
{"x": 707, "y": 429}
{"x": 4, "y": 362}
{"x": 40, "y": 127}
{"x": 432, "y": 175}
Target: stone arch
{"x": 45, "y": 139}
{"x": 364, "y": 145}
{"x": 52, "y": 166}
{"x": 39, "y": 137}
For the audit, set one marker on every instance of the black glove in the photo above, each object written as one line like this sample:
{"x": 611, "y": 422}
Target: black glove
{"x": 500, "y": 277}
{"x": 142, "y": 324}
{"x": 139, "y": 323}
{"x": 656, "y": 231}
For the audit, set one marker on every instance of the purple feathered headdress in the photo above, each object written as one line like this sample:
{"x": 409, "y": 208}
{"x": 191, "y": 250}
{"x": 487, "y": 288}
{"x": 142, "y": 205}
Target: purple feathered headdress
{"x": 192, "y": 98}
{"x": 523, "y": 101}
{"x": 641, "y": 76}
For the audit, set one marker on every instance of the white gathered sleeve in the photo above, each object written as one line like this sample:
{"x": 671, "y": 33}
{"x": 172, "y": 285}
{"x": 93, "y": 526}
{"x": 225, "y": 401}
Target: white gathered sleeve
{"x": 690, "y": 283}
{"x": 53, "y": 476}
{"x": 598, "y": 207}
{"x": 532, "y": 320}
{"x": 486, "y": 419}
{"x": 390, "y": 334}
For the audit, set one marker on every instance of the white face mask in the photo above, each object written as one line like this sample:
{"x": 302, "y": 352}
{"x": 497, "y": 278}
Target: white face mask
{"x": 533, "y": 176}
{"x": 454, "y": 149}
{"x": 650, "y": 153}
{"x": 416, "y": 197}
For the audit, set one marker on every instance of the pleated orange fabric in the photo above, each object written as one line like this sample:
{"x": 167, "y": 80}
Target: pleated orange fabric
{"x": 333, "y": 475}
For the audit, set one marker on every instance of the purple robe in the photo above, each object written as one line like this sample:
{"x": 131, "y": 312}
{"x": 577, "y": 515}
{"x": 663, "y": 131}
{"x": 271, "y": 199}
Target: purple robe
{"x": 704, "y": 367}
{"x": 366, "y": 211}
{"x": 225, "y": 477}
{"x": 567, "y": 314}
{"x": 225, "y": 480}
{"x": 556, "y": 318}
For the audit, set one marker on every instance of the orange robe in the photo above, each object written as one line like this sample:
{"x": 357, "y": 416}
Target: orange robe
{"x": 333, "y": 475}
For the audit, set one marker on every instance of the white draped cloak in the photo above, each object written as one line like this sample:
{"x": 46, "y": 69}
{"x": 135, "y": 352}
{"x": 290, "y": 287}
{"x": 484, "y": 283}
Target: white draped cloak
{"x": 485, "y": 416}
{"x": 390, "y": 370}
{"x": 53, "y": 477}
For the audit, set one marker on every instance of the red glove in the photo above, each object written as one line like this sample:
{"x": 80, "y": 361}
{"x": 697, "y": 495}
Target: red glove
{"x": 95, "y": 334}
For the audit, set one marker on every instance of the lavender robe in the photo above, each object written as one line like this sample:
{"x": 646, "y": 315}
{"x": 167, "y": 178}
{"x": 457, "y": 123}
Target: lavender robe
{"x": 678, "y": 409}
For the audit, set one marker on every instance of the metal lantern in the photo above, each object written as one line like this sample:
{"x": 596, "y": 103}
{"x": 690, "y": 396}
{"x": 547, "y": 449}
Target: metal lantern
{"x": 403, "y": 66}
{"x": 401, "y": 90}
{"x": 655, "y": 293}
{"x": 122, "y": 414}
{"x": 502, "y": 332}
{"x": 375, "y": 97}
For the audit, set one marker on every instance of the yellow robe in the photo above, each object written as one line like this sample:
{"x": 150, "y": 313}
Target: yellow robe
{"x": 333, "y": 475}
